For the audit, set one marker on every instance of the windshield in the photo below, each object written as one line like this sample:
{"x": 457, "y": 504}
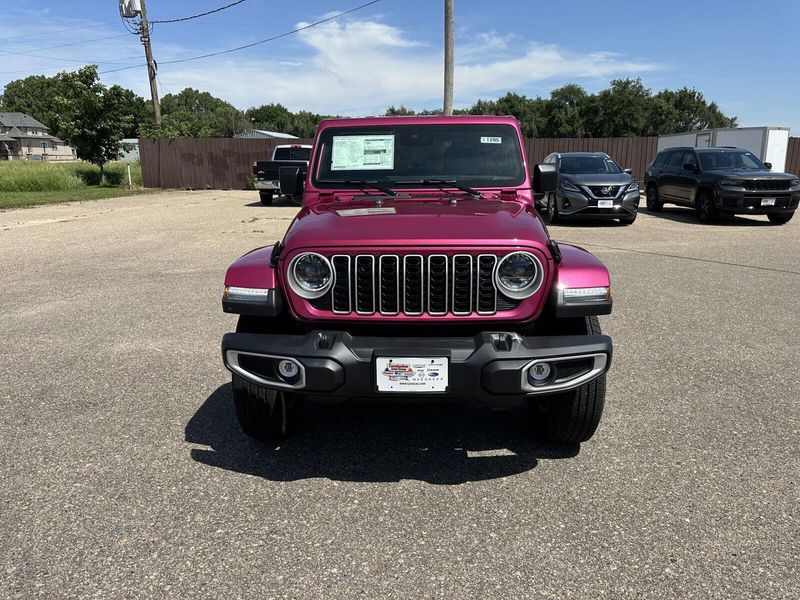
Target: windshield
{"x": 729, "y": 160}
{"x": 585, "y": 165}
{"x": 476, "y": 155}
{"x": 293, "y": 153}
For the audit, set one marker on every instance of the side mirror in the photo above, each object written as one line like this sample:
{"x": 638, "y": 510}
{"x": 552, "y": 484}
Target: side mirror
{"x": 291, "y": 181}
{"x": 768, "y": 165}
{"x": 628, "y": 171}
{"x": 545, "y": 178}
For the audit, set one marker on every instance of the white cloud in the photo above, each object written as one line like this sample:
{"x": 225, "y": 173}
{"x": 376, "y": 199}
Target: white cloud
{"x": 354, "y": 67}
{"x": 361, "y": 67}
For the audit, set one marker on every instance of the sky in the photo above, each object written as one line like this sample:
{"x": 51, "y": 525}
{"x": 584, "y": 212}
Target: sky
{"x": 741, "y": 54}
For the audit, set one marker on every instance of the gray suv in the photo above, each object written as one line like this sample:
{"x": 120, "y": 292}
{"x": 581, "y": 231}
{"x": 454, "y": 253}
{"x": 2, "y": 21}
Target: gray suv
{"x": 591, "y": 184}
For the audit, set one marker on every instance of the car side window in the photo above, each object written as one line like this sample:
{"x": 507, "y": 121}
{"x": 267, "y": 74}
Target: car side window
{"x": 660, "y": 159}
{"x": 675, "y": 160}
{"x": 690, "y": 160}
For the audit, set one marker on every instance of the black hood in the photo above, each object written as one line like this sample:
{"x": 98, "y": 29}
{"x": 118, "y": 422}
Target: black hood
{"x": 749, "y": 174}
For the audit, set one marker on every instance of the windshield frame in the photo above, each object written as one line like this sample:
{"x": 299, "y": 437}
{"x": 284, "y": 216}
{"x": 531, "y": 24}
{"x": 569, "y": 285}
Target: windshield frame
{"x": 322, "y": 177}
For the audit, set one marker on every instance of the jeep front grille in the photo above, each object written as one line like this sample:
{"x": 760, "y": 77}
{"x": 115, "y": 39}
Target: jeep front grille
{"x": 766, "y": 184}
{"x": 414, "y": 284}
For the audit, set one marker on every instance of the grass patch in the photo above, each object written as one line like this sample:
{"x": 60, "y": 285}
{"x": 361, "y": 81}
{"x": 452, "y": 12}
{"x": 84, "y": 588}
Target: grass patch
{"x": 24, "y": 183}
{"x": 26, "y": 199}
{"x": 29, "y": 176}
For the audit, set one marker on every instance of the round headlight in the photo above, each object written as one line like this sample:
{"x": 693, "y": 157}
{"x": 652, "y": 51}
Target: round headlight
{"x": 311, "y": 275}
{"x": 518, "y": 275}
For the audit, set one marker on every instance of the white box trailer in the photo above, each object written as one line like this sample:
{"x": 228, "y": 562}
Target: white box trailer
{"x": 770, "y": 144}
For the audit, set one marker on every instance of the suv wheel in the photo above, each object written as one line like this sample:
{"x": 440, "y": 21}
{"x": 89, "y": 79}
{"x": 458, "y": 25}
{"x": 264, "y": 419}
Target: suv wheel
{"x": 265, "y": 414}
{"x": 266, "y": 197}
{"x": 570, "y": 417}
{"x": 552, "y": 209}
{"x": 654, "y": 203}
{"x": 706, "y": 211}
{"x": 779, "y": 218}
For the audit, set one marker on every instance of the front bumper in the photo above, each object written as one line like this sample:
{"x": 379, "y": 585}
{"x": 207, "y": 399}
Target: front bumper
{"x": 266, "y": 184}
{"x": 490, "y": 367}
{"x": 576, "y": 204}
{"x": 749, "y": 202}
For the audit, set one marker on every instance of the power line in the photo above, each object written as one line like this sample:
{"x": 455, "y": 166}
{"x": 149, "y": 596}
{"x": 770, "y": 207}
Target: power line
{"x": 270, "y": 39}
{"x": 211, "y": 12}
{"x": 51, "y": 31}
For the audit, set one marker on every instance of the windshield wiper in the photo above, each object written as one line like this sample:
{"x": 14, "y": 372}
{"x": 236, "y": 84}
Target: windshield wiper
{"x": 363, "y": 184}
{"x": 441, "y": 184}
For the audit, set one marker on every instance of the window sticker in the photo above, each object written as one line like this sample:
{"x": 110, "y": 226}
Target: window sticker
{"x": 491, "y": 140}
{"x": 362, "y": 152}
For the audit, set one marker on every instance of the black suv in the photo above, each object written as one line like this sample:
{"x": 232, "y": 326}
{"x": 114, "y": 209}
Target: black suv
{"x": 717, "y": 181}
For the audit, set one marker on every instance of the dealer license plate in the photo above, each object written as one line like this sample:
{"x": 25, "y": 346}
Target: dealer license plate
{"x": 768, "y": 202}
{"x": 408, "y": 374}
{"x": 605, "y": 204}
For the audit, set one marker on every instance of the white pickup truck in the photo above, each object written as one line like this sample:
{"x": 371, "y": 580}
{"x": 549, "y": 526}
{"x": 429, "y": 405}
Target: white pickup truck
{"x": 265, "y": 172}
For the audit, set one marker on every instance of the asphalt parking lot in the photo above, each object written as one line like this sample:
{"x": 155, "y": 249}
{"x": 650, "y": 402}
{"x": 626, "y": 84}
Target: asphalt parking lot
{"x": 123, "y": 472}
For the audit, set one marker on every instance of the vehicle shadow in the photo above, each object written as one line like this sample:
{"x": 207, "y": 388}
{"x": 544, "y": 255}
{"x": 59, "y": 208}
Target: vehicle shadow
{"x": 281, "y": 202}
{"x": 588, "y": 222}
{"x": 689, "y": 215}
{"x": 439, "y": 444}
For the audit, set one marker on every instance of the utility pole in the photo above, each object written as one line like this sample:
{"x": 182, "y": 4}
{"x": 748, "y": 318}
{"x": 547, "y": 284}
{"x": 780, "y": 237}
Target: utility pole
{"x": 449, "y": 63}
{"x": 144, "y": 35}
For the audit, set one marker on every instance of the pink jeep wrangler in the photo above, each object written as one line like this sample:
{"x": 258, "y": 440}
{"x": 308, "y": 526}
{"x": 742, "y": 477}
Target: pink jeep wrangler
{"x": 418, "y": 267}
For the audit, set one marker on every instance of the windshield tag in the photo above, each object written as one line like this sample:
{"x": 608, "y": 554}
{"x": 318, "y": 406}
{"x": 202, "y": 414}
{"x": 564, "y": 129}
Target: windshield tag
{"x": 491, "y": 140}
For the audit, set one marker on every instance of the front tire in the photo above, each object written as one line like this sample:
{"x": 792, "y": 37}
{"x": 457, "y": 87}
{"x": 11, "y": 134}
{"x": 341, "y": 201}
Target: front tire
{"x": 779, "y": 218}
{"x": 265, "y": 414}
{"x": 571, "y": 417}
{"x": 266, "y": 197}
{"x": 706, "y": 211}
{"x": 654, "y": 203}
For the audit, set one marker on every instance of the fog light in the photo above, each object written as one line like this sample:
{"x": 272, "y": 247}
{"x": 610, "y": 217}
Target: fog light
{"x": 288, "y": 370}
{"x": 539, "y": 373}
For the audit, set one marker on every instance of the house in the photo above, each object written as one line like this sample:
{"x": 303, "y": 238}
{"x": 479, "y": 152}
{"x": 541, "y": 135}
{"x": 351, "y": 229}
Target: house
{"x": 260, "y": 133}
{"x": 24, "y": 138}
{"x": 129, "y": 149}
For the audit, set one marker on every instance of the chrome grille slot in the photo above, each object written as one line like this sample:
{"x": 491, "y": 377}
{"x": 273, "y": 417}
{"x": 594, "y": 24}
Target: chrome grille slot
{"x": 462, "y": 284}
{"x": 341, "y": 289}
{"x": 365, "y": 284}
{"x": 437, "y": 284}
{"x": 487, "y": 294}
{"x": 389, "y": 282}
{"x": 413, "y": 284}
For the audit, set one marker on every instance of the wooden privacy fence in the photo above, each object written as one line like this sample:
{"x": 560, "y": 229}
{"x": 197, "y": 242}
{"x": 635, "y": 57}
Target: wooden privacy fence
{"x": 203, "y": 163}
{"x": 226, "y": 163}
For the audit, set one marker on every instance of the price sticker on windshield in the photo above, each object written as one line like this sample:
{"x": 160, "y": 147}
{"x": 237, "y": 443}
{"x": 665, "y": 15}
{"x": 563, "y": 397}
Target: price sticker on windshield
{"x": 491, "y": 140}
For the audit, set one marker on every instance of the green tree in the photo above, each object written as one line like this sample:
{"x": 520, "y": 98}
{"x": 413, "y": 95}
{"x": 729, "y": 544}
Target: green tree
{"x": 528, "y": 111}
{"x": 92, "y": 118}
{"x": 691, "y": 111}
{"x": 619, "y": 111}
{"x": 34, "y": 96}
{"x": 564, "y": 113}
{"x": 272, "y": 117}
{"x": 192, "y": 113}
